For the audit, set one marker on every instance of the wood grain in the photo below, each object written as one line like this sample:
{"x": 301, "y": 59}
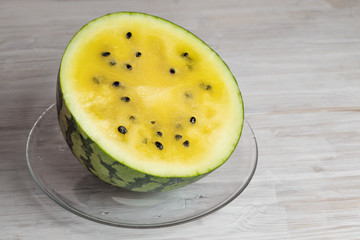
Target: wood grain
{"x": 297, "y": 65}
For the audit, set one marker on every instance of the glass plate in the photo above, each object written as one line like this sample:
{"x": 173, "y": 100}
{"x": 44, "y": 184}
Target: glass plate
{"x": 61, "y": 176}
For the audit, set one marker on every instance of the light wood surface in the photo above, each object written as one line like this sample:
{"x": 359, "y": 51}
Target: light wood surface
{"x": 298, "y": 67}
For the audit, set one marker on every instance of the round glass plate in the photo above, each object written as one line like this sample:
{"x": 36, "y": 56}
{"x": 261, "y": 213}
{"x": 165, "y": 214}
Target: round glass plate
{"x": 61, "y": 176}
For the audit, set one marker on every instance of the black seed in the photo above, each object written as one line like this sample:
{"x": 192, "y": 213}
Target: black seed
{"x": 178, "y": 136}
{"x": 172, "y": 71}
{"x": 138, "y": 54}
{"x": 128, "y": 35}
{"x": 159, "y": 133}
{"x": 132, "y": 118}
{"x": 116, "y": 84}
{"x": 186, "y": 143}
{"x": 205, "y": 86}
{"x": 122, "y": 130}
{"x": 185, "y": 54}
{"x": 145, "y": 141}
{"x": 105, "y": 54}
{"x": 152, "y": 122}
{"x": 192, "y": 120}
{"x": 159, "y": 145}
{"x": 112, "y": 62}
{"x": 125, "y": 99}
{"x": 128, "y": 66}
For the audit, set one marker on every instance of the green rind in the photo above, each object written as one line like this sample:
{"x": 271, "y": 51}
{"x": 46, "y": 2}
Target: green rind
{"x": 102, "y": 165}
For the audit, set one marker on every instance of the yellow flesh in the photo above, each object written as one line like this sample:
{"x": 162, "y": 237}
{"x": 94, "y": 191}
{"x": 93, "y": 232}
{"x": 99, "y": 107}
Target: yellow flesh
{"x": 155, "y": 95}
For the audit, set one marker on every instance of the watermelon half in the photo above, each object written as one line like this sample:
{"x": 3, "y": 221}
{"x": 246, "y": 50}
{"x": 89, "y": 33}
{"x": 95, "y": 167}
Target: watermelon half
{"x": 146, "y": 105}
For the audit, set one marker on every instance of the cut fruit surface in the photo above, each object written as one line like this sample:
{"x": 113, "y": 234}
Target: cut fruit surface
{"x": 142, "y": 93}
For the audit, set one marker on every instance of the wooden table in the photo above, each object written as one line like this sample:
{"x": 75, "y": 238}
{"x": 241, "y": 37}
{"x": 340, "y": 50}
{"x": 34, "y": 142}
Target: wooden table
{"x": 298, "y": 67}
